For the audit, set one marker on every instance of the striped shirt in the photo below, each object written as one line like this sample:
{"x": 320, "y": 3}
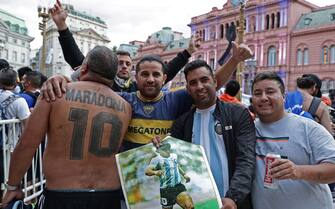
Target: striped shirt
{"x": 204, "y": 134}
{"x": 171, "y": 176}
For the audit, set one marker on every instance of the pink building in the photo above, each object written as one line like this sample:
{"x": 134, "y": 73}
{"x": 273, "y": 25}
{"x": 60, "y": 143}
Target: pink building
{"x": 289, "y": 37}
{"x": 167, "y": 44}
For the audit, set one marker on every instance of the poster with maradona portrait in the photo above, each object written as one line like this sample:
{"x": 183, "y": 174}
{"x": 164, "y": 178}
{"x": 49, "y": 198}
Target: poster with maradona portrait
{"x": 175, "y": 175}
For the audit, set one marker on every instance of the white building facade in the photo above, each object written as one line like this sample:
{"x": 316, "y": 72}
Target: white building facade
{"x": 88, "y": 31}
{"x": 14, "y": 40}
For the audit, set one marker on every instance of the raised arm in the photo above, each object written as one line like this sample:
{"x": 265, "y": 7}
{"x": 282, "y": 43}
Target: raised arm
{"x": 240, "y": 53}
{"x": 72, "y": 55}
{"x": 177, "y": 63}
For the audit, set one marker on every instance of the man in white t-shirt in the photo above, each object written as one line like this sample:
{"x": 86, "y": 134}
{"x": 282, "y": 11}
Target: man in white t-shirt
{"x": 306, "y": 148}
{"x": 18, "y": 108}
{"x": 12, "y": 106}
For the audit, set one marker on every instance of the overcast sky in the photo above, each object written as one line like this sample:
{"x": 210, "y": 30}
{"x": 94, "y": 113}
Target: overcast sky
{"x": 127, "y": 20}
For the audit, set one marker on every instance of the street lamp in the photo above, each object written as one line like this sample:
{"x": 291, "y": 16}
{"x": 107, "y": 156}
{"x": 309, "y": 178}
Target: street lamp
{"x": 240, "y": 36}
{"x": 43, "y": 13}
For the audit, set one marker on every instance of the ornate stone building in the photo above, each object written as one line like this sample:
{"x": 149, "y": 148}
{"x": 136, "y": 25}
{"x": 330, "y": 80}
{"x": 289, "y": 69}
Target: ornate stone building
{"x": 290, "y": 37}
{"x": 88, "y": 31}
{"x": 167, "y": 44}
{"x": 14, "y": 40}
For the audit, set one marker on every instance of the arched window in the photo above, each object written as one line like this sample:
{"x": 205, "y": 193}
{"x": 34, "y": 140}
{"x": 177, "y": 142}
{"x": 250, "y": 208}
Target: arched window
{"x": 324, "y": 55}
{"x": 332, "y": 54}
{"x": 267, "y": 22}
{"x": 306, "y": 57}
{"x": 272, "y": 56}
{"x": 299, "y": 57}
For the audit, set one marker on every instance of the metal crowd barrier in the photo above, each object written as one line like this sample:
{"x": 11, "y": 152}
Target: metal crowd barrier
{"x": 33, "y": 181}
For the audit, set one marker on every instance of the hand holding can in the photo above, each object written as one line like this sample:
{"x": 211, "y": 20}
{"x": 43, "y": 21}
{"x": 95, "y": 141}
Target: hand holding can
{"x": 269, "y": 181}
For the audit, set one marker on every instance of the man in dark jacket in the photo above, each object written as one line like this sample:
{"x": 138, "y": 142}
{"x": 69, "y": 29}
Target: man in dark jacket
{"x": 225, "y": 130}
{"x": 123, "y": 81}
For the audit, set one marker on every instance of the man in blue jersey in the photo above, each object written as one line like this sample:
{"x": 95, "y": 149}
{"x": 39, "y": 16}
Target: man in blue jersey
{"x": 166, "y": 167}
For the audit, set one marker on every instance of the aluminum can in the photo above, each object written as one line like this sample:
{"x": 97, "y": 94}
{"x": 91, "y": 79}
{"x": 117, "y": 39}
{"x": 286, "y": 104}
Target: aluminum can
{"x": 270, "y": 182}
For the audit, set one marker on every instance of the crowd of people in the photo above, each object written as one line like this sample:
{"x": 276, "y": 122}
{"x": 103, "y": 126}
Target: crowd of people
{"x": 103, "y": 111}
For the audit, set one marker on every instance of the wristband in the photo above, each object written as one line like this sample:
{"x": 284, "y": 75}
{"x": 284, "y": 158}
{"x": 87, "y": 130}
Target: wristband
{"x": 11, "y": 187}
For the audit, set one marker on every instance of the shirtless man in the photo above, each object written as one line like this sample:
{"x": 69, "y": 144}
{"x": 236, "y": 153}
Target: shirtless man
{"x": 84, "y": 128}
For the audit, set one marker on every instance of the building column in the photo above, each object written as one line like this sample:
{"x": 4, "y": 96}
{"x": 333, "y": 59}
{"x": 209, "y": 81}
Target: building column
{"x": 281, "y": 18}
{"x": 261, "y": 56}
{"x": 256, "y": 52}
{"x": 280, "y": 53}
{"x": 247, "y": 28}
{"x": 285, "y": 17}
{"x": 208, "y": 33}
{"x": 257, "y": 22}
{"x": 215, "y": 58}
{"x": 207, "y": 57}
{"x": 284, "y": 53}
{"x": 262, "y": 22}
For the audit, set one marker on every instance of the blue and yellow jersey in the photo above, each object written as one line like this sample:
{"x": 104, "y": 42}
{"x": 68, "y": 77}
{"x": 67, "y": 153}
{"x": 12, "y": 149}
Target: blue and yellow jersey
{"x": 152, "y": 118}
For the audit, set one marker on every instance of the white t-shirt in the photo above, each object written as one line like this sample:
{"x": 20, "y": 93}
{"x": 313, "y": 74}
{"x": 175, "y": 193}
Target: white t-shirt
{"x": 304, "y": 142}
{"x": 18, "y": 109}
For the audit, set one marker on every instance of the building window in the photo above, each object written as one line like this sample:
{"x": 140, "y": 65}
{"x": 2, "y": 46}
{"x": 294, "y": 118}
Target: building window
{"x": 324, "y": 55}
{"x": 306, "y": 58}
{"x": 14, "y": 56}
{"x": 307, "y": 21}
{"x": 203, "y": 35}
{"x": 272, "y": 54}
{"x": 23, "y": 58}
{"x": 278, "y": 19}
{"x": 272, "y": 21}
{"x": 267, "y": 22}
{"x": 221, "y": 31}
{"x": 299, "y": 57}
{"x": 227, "y": 27}
{"x": 327, "y": 84}
{"x": 14, "y": 40}
{"x": 212, "y": 63}
{"x": 6, "y": 54}
{"x": 23, "y": 43}
{"x": 212, "y": 35}
{"x": 332, "y": 16}
{"x": 332, "y": 54}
